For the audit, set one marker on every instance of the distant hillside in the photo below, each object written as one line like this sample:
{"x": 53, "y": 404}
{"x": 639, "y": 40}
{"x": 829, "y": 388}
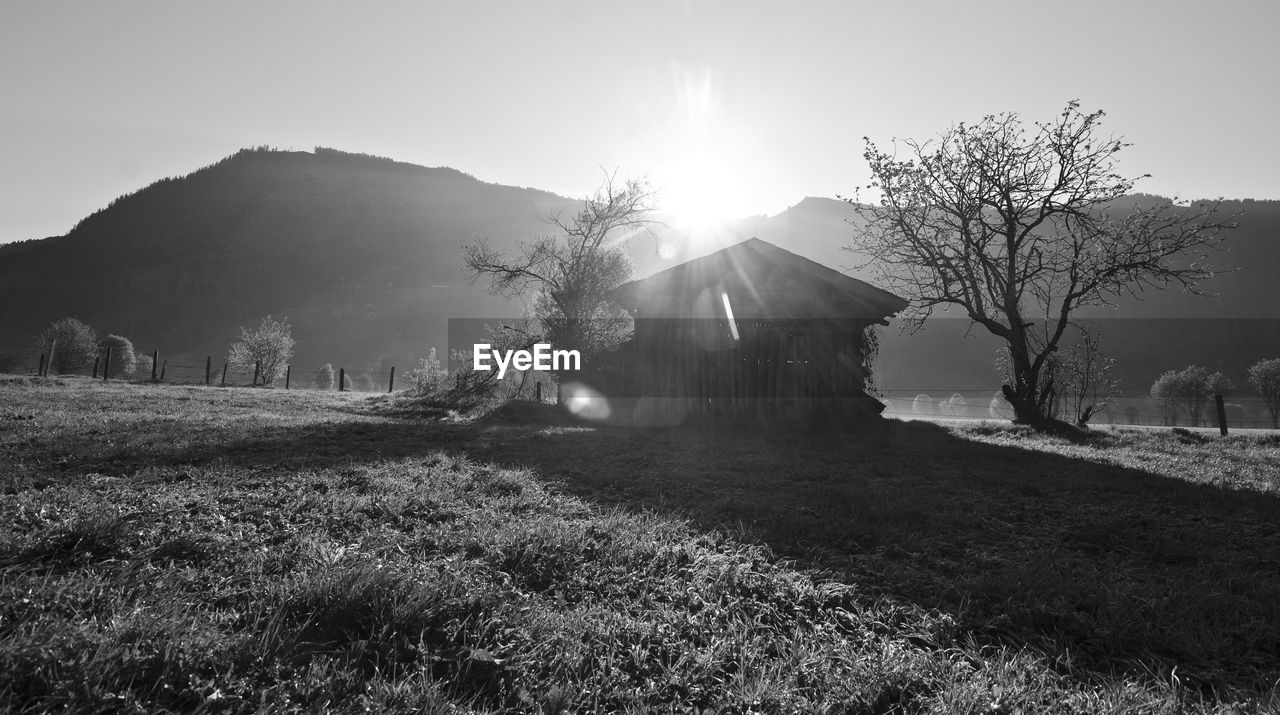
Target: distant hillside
{"x": 361, "y": 253}
{"x": 1158, "y": 331}
{"x": 1248, "y": 285}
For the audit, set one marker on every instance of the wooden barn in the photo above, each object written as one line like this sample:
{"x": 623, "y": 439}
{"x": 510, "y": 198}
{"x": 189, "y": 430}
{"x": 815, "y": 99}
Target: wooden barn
{"x": 752, "y": 329}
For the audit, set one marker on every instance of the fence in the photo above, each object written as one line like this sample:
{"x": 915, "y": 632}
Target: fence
{"x": 156, "y": 367}
{"x": 197, "y": 370}
{"x": 1242, "y": 410}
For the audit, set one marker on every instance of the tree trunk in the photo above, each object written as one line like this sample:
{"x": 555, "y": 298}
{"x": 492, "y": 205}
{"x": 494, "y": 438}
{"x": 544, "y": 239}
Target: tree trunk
{"x": 1024, "y": 394}
{"x": 1026, "y": 404}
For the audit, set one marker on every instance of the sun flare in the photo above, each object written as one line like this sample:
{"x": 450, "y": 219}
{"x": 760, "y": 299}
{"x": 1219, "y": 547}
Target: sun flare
{"x": 700, "y": 194}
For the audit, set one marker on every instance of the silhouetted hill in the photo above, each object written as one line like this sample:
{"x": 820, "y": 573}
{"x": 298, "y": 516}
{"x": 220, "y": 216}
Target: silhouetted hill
{"x": 361, "y": 253}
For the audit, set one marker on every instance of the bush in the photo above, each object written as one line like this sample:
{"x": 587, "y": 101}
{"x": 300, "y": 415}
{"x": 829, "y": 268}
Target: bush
{"x": 923, "y": 405}
{"x": 325, "y": 379}
{"x": 999, "y": 408}
{"x": 142, "y": 367}
{"x": 466, "y": 386}
{"x": 1264, "y": 376}
{"x": 70, "y": 344}
{"x": 957, "y": 406}
{"x": 429, "y": 377}
{"x": 122, "y": 356}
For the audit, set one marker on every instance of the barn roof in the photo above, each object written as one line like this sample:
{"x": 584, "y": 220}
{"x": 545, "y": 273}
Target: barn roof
{"x": 759, "y": 280}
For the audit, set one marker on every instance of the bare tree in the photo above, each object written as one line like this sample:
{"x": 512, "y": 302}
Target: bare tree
{"x": 268, "y": 347}
{"x": 572, "y": 269}
{"x": 1019, "y": 228}
{"x": 1082, "y": 380}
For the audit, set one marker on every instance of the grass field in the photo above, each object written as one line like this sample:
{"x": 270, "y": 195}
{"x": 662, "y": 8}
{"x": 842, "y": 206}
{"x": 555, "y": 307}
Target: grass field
{"x": 231, "y": 550}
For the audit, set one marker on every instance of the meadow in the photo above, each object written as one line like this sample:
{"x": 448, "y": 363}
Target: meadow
{"x": 167, "y": 548}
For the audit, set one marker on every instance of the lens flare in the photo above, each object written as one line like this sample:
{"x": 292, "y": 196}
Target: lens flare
{"x": 728, "y": 312}
{"x": 584, "y": 402}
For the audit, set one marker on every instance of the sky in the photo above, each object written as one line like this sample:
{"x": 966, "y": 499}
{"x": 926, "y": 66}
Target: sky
{"x": 727, "y": 108}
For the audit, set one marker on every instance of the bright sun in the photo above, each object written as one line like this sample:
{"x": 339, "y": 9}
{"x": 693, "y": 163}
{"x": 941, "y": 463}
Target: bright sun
{"x": 697, "y": 160}
{"x": 699, "y": 194}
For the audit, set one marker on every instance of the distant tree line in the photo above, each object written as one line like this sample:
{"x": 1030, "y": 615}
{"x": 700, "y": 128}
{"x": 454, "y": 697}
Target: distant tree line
{"x": 71, "y": 345}
{"x": 1188, "y": 391}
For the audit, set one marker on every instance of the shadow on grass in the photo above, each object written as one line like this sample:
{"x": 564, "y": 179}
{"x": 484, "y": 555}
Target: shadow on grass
{"x": 1106, "y": 570}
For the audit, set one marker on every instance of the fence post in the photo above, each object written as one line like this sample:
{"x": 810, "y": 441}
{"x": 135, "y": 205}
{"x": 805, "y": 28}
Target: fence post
{"x": 106, "y": 367}
{"x": 208, "y": 367}
{"x": 1222, "y": 414}
{"x": 257, "y": 370}
{"x": 391, "y": 384}
{"x": 96, "y": 360}
{"x": 162, "y": 367}
{"x": 53, "y": 348}
{"x": 288, "y": 369}
{"x": 40, "y": 370}
{"x": 342, "y": 379}
{"x": 155, "y": 363}
{"x": 224, "y": 374}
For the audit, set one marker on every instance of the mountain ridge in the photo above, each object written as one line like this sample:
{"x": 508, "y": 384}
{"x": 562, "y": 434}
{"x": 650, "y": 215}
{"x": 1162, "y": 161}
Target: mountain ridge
{"x": 265, "y": 231}
{"x": 363, "y": 254}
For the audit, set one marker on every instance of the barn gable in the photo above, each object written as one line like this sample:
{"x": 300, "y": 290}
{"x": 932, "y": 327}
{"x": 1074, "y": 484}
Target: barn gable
{"x": 760, "y": 280}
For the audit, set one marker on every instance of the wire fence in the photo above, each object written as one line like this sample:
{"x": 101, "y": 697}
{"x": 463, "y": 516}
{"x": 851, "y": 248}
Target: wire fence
{"x": 1242, "y": 410}
{"x": 199, "y": 370}
{"x": 157, "y": 367}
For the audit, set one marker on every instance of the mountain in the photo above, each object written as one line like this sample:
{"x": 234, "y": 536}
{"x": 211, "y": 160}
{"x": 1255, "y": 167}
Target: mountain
{"x": 363, "y": 255}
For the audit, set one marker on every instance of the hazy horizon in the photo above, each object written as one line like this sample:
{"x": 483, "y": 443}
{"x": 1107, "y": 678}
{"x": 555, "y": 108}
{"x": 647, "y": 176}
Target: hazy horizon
{"x": 728, "y": 109}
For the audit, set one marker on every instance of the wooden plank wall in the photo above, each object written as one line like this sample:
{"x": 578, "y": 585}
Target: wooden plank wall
{"x": 700, "y": 365}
